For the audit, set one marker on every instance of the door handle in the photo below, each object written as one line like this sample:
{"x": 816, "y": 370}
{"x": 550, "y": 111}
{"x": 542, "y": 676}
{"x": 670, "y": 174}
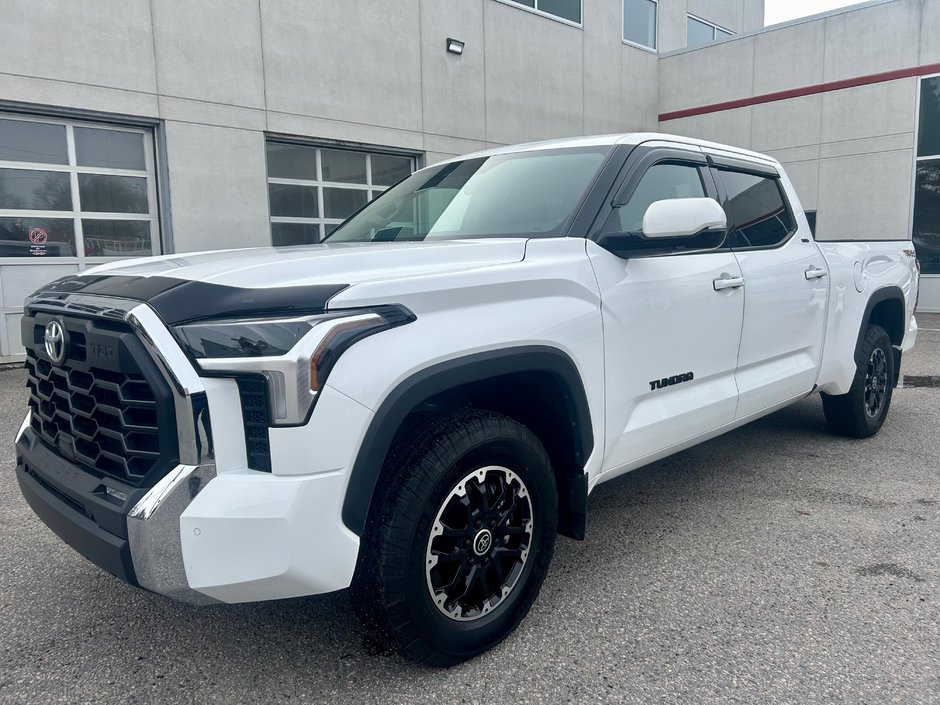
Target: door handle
{"x": 728, "y": 283}
{"x": 814, "y": 273}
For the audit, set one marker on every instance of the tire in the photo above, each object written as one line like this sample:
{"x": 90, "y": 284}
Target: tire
{"x": 861, "y": 412}
{"x": 416, "y": 541}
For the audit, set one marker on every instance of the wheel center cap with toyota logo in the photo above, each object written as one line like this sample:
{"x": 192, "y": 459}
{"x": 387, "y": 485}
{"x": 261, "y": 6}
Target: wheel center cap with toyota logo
{"x": 55, "y": 342}
{"x": 482, "y": 542}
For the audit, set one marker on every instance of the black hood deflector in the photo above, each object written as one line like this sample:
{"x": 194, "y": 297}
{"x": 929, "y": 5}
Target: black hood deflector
{"x": 181, "y": 300}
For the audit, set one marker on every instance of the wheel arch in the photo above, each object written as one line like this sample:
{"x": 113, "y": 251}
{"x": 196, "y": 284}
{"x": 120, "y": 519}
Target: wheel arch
{"x": 885, "y": 308}
{"x": 474, "y": 379}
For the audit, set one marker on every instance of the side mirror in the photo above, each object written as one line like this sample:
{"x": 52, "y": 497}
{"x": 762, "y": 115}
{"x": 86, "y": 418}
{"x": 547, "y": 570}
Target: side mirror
{"x": 682, "y": 217}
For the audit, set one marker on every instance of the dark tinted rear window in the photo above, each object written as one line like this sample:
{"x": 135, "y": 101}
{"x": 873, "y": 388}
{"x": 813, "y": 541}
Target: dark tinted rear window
{"x": 757, "y": 212}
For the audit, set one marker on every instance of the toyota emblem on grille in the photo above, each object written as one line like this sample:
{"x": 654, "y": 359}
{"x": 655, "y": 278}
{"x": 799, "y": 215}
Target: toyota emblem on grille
{"x": 54, "y": 341}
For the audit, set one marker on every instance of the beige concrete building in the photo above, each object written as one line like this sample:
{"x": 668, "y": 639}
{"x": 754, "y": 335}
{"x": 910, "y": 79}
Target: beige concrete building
{"x": 136, "y": 127}
{"x": 849, "y": 102}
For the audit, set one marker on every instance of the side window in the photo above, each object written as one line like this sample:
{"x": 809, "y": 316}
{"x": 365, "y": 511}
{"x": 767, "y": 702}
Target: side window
{"x": 757, "y": 212}
{"x": 661, "y": 182}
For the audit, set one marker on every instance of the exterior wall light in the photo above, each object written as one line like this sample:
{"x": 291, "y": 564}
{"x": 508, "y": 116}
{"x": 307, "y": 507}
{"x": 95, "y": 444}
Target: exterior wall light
{"x": 454, "y": 46}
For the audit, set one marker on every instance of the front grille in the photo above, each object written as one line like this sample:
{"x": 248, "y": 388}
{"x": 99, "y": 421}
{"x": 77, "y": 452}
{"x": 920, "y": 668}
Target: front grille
{"x": 254, "y": 397}
{"x": 106, "y": 407}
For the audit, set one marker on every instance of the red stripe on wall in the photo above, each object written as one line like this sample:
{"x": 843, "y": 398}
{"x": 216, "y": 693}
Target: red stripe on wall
{"x": 800, "y": 92}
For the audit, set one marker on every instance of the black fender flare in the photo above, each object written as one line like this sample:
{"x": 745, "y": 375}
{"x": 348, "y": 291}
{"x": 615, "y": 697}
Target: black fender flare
{"x": 887, "y": 293}
{"x": 450, "y": 374}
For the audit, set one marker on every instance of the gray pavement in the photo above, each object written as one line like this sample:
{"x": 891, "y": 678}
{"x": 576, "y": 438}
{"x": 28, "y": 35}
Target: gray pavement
{"x": 777, "y": 564}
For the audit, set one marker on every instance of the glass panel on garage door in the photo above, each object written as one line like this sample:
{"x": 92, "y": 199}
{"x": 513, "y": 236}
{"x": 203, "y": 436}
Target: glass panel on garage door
{"x": 71, "y": 194}
{"x": 313, "y": 189}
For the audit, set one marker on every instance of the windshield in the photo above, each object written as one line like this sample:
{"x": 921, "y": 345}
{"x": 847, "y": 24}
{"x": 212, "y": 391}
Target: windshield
{"x": 525, "y": 194}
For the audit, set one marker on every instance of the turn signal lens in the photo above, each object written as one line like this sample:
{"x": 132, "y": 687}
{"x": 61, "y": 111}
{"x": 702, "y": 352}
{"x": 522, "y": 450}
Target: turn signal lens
{"x": 341, "y": 336}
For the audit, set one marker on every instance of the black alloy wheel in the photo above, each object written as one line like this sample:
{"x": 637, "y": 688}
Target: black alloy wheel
{"x": 479, "y": 543}
{"x": 459, "y": 539}
{"x": 876, "y": 382}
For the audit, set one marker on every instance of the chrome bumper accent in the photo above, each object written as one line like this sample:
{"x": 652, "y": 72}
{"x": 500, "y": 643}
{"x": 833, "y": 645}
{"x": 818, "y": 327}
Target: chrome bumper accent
{"x": 23, "y": 426}
{"x": 189, "y": 393}
{"x": 153, "y": 530}
{"x": 153, "y": 525}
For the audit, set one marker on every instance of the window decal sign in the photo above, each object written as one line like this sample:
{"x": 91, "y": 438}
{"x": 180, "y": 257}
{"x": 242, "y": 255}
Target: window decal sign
{"x": 37, "y": 239}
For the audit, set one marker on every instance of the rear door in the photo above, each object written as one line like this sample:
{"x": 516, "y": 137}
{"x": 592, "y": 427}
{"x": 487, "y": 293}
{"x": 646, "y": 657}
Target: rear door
{"x": 672, "y": 314}
{"x": 786, "y": 285}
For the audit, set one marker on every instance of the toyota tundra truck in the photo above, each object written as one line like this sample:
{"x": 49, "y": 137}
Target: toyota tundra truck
{"x": 417, "y": 406}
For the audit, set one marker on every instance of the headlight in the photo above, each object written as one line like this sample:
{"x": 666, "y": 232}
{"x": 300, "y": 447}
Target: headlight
{"x": 215, "y": 339}
{"x": 294, "y": 355}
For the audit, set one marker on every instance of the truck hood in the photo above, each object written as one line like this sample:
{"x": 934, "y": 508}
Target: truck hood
{"x": 272, "y": 280}
{"x": 327, "y": 263}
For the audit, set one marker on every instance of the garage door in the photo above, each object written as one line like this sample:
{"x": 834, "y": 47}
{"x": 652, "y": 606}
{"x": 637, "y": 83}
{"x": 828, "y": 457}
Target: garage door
{"x": 314, "y": 189}
{"x": 72, "y": 194}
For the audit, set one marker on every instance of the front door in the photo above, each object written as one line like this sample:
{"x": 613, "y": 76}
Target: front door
{"x": 672, "y": 317}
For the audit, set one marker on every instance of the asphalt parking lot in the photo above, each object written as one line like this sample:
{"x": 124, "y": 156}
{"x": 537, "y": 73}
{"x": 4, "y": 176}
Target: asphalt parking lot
{"x": 777, "y": 564}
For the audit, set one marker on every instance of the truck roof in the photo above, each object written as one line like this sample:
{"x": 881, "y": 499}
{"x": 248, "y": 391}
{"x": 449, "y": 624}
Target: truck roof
{"x": 633, "y": 138}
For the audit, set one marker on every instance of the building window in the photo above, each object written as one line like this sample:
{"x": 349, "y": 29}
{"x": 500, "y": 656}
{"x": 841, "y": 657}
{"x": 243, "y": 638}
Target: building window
{"x": 569, "y": 10}
{"x": 313, "y": 189}
{"x": 926, "y": 232}
{"x": 78, "y": 190}
{"x": 704, "y": 32}
{"x": 639, "y": 22}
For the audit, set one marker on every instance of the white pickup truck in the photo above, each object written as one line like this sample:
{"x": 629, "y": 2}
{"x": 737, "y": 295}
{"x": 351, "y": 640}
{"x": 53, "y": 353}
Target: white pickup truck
{"x": 419, "y": 405}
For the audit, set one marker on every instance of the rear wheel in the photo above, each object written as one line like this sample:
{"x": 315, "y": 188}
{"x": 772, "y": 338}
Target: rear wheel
{"x": 460, "y": 543}
{"x": 861, "y": 412}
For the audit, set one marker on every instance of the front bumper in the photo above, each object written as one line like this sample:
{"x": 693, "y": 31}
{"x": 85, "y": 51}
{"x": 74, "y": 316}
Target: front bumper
{"x": 97, "y": 532}
{"x": 211, "y": 529}
{"x": 198, "y": 537}
{"x": 133, "y": 533}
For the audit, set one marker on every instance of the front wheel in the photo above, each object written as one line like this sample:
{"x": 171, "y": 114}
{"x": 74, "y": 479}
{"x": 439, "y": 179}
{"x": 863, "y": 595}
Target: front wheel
{"x": 861, "y": 412}
{"x": 459, "y": 546}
